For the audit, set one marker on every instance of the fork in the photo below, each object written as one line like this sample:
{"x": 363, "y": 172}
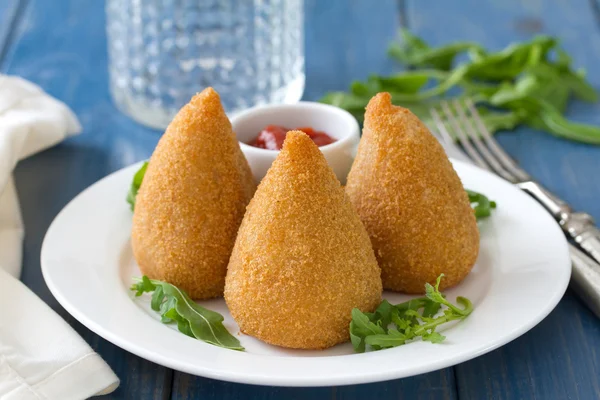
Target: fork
{"x": 461, "y": 120}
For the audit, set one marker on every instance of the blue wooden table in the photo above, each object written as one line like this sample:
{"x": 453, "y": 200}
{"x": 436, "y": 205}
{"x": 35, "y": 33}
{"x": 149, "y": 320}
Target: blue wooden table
{"x": 61, "y": 45}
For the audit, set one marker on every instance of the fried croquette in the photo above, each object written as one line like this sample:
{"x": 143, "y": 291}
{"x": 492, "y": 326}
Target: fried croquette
{"x": 192, "y": 200}
{"x": 302, "y": 259}
{"x": 411, "y": 201}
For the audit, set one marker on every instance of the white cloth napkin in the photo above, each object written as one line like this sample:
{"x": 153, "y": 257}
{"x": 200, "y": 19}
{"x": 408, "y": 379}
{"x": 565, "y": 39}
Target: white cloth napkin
{"x": 41, "y": 356}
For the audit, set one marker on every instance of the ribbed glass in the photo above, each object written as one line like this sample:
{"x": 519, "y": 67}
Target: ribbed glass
{"x": 162, "y": 52}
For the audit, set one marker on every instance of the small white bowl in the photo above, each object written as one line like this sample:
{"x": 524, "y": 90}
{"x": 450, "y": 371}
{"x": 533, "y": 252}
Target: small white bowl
{"x": 334, "y": 121}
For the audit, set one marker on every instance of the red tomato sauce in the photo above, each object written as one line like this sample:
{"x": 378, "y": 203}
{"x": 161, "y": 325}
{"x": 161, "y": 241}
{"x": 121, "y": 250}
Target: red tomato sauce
{"x": 272, "y": 137}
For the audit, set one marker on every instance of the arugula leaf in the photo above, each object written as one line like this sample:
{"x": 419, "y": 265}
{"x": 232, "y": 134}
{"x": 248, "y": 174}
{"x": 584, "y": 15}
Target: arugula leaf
{"x": 482, "y": 206}
{"x": 165, "y": 308}
{"x": 136, "y": 184}
{"x": 579, "y": 86}
{"x": 434, "y": 337}
{"x": 430, "y": 308}
{"x": 363, "y": 325}
{"x": 142, "y": 286}
{"x": 433, "y": 293}
{"x": 552, "y": 121}
{"x": 182, "y": 324}
{"x": 192, "y": 319}
{"x": 357, "y": 341}
{"x": 416, "y": 318}
{"x": 392, "y": 338}
{"x": 527, "y": 83}
{"x": 415, "y": 52}
{"x": 347, "y": 101}
{"x": 158, "y": 297}
{"x": 511, "y": 61}
{"x": 383, "y": 313}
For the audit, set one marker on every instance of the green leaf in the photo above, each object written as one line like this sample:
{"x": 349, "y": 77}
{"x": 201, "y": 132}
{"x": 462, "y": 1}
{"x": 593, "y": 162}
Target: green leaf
{"x": 433, "y": 293}
{"x": 136, "y": 183}
{"x": 384, "y": 313}
{"x": 363, "y": 326}
{"x": 512, "y": 60}
{"x": 157, "y": 298}
{"x": 558, "y": 74}
{"x": 205, "y": 324}
{"x": 142, "y": 286}
{"x": 467, "y": 305}
{"x": 401, "y": 323}
{"x": 410, "y": 322}
{"x": 182, "y": 324}
{"x": 362, "y": 89}
{"x": 563, "y": 61}
{"x": 482, "y": 206}
{"x": 391, "y": 339}
{"x": 415, "y": 52}
{"x": 555, "y": 123}
{"x": 496, "y": 121}
{"x": 407, "y": 82}
{"x": 346, "y": 101}
{"x": 357, "y": 341}
{"x": 166, "y": 306}
{"x": 191, "y": 318}
{"x": 430, "y": 308}
{"x": 580, "y": 87}
{"x": 525, "y": 83}
{"x": 412, "y": 304}
{"x": 434, "y": 337}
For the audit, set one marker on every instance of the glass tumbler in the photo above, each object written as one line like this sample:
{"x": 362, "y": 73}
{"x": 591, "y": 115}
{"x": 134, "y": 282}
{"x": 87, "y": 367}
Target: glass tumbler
{"x": 162, "y": 52}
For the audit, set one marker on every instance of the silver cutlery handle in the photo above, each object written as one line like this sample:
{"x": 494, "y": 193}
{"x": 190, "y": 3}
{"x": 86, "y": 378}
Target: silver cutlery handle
{"x": 585, "y": 279}
{"x": 578, "y": 226}
{"x": 558, "y": 208}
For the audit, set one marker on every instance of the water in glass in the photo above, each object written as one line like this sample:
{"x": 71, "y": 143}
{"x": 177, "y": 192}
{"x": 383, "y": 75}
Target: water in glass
{"x": 162, "y": 52}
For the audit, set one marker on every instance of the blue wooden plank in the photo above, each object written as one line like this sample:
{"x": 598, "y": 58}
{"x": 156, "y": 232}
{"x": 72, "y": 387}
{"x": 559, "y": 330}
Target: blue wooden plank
{"x": 557, "y": 359}
{"x": 346, "y": 41}
{"x": 9, "y": 12}
{"x": 430, "y": 386}
{"x": 61, "y": 46}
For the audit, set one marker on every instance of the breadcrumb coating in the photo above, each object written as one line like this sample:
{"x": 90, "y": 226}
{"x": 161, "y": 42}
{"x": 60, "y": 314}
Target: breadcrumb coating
{"x": 302, "y": 259}
{"x": 411, "y": 201}
{"x": 192, "y": 200}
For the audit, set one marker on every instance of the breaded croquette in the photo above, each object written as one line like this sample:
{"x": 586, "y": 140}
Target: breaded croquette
{"x": 302, "y": 259}
{"x": 192, "y": 200}
{"x": 411, "y": 201}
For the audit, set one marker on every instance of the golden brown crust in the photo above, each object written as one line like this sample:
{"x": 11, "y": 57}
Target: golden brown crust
{"x": 411, "y": 201}
{"x": 192, "y": 200}
{"x": 302, "y": 259}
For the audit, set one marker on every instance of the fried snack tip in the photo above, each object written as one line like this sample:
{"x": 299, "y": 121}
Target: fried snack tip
{"x": 192, "y": 200}
{"x": 302, "y": 259}
{"x": 411, "y": 201}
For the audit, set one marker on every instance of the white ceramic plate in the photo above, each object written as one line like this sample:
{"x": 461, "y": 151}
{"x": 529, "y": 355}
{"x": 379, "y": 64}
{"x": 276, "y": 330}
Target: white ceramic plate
{"x": 521, "y": 274}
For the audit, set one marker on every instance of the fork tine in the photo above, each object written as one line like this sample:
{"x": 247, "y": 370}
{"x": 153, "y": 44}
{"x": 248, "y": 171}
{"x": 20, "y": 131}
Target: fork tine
{"x": 475, "y": 138}
{"x": 462, "y": 138}
{"x": 509, "y": 164}
{"x": 441, "y": 130}
{"x": 441, "y": 134}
